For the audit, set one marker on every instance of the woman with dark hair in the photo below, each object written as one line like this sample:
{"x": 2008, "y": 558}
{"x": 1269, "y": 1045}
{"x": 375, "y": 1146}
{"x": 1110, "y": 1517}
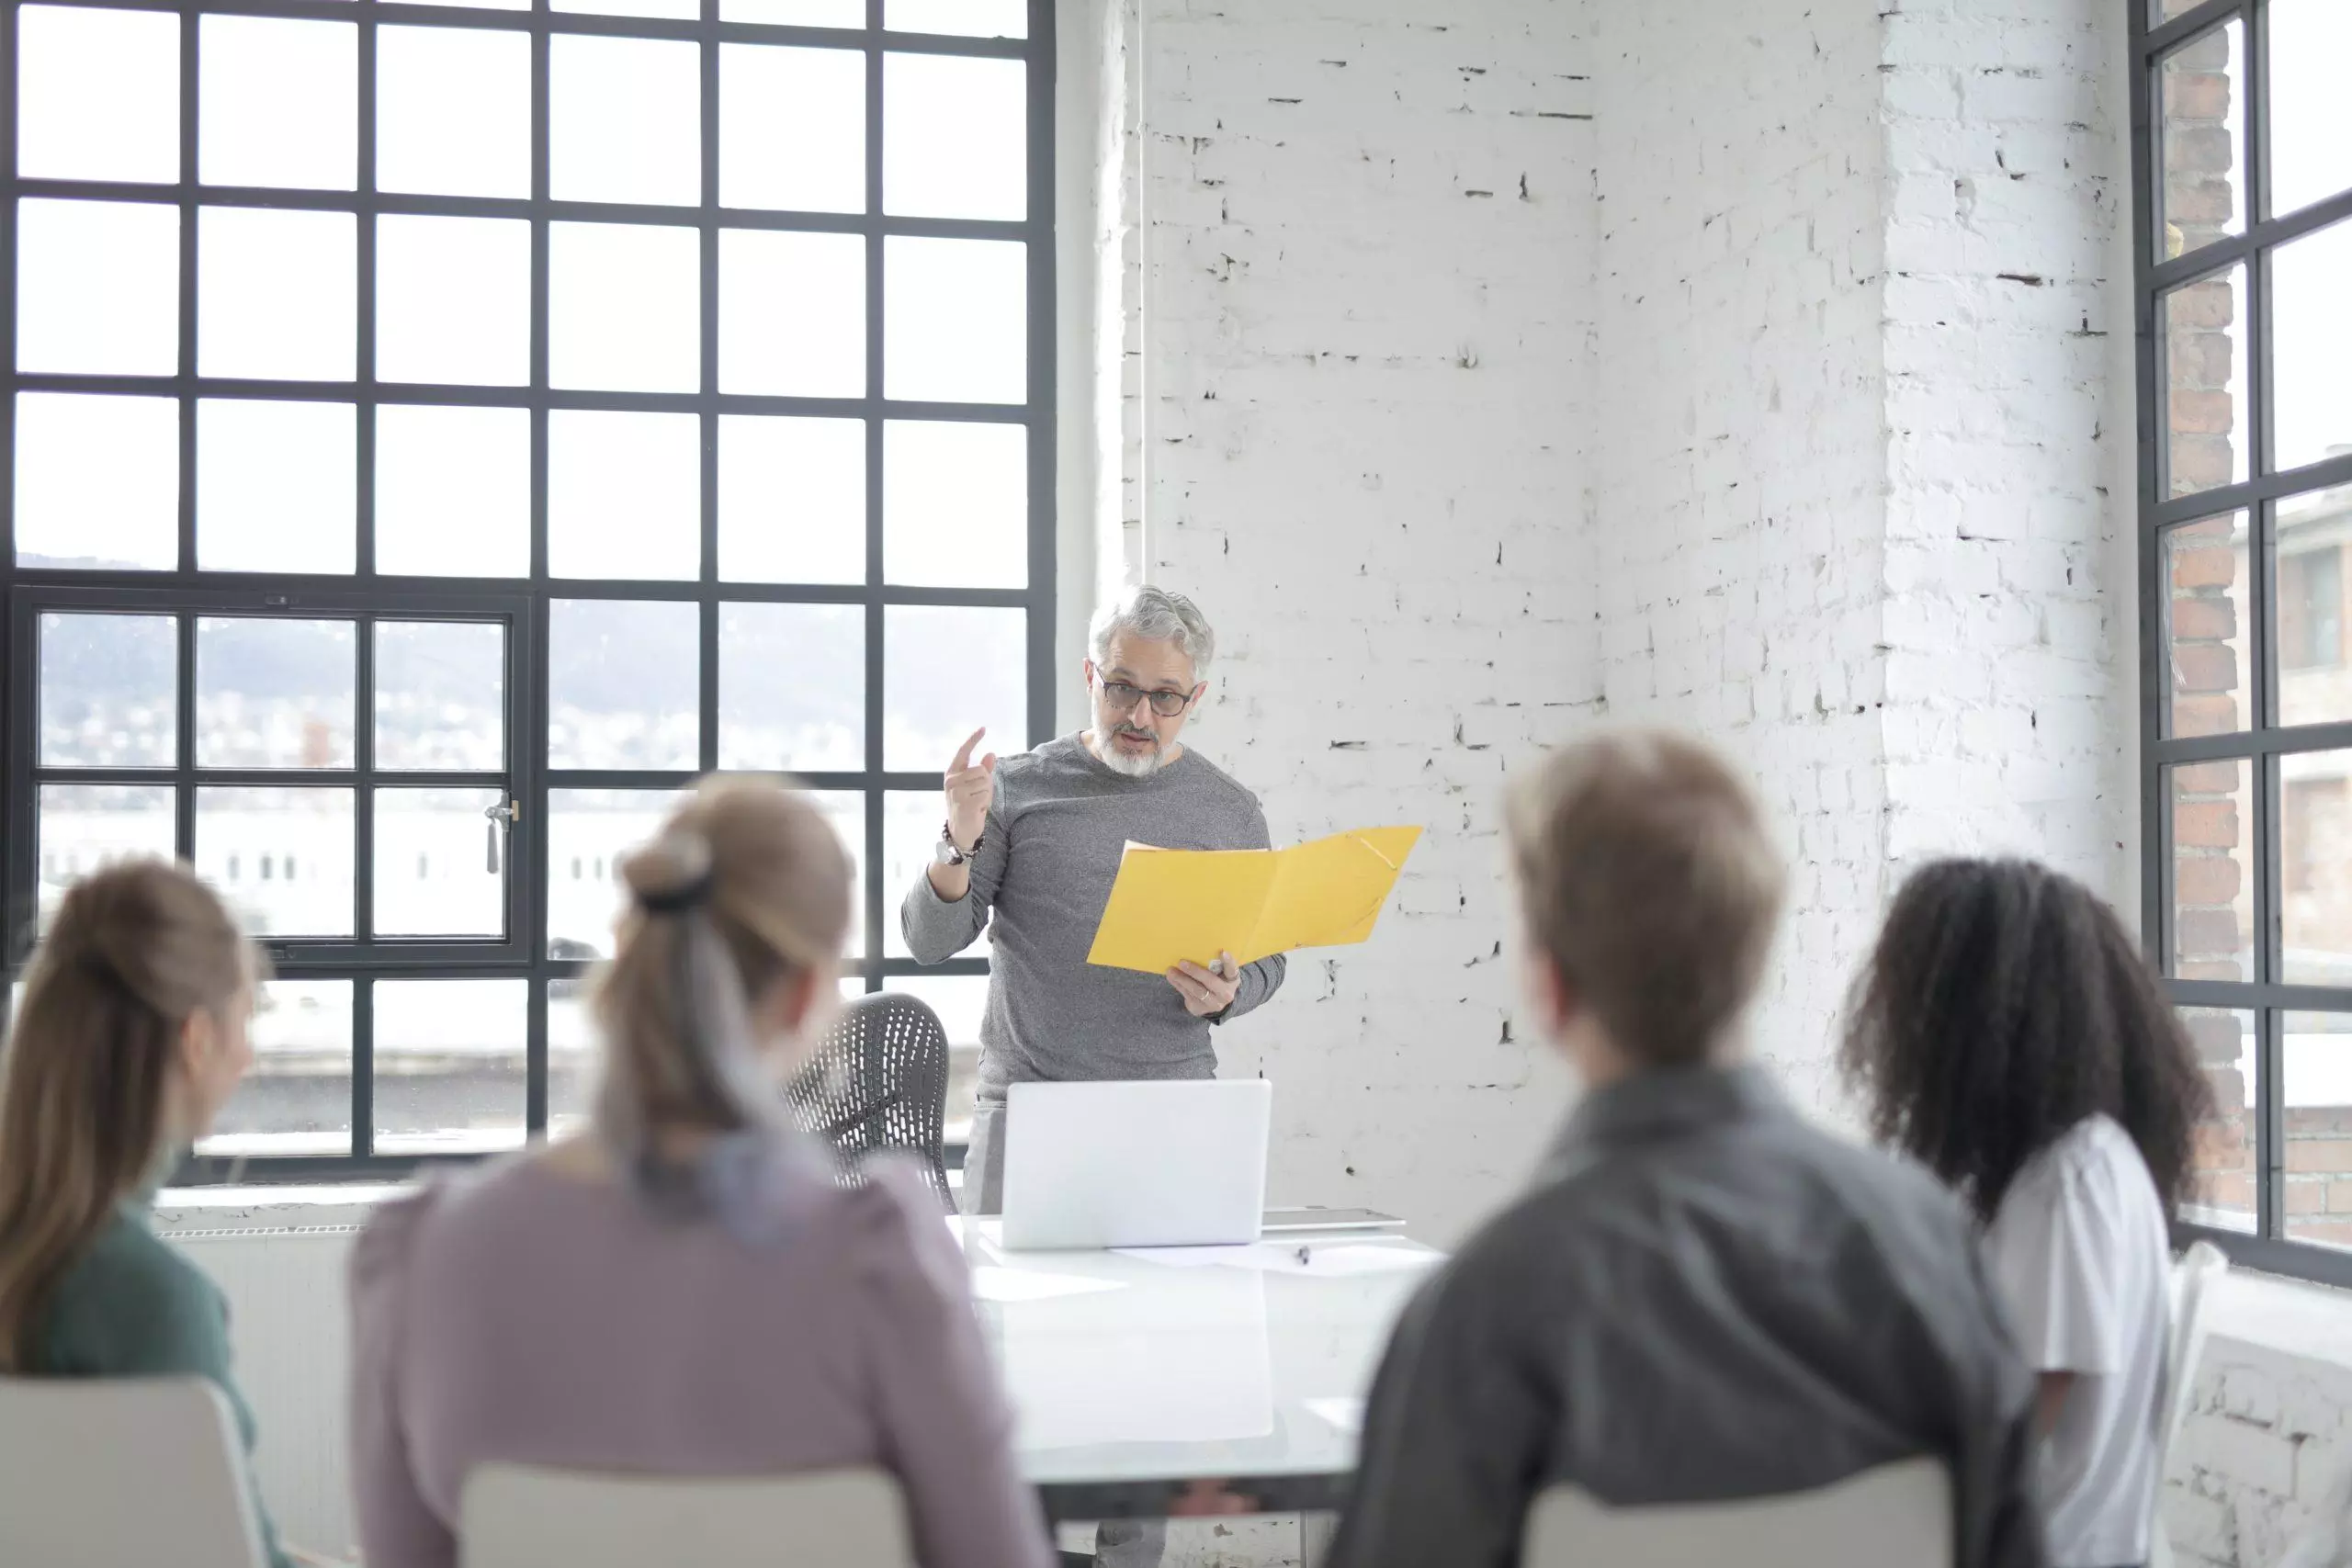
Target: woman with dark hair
{"x": 2011, "y": 1039}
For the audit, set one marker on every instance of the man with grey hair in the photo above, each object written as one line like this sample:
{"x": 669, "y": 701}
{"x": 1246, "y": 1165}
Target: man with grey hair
{"x": 1035, "y": 840}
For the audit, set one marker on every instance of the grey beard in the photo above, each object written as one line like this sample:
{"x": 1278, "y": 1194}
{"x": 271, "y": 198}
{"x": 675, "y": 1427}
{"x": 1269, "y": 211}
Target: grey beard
{"x": 1118, "y": 761}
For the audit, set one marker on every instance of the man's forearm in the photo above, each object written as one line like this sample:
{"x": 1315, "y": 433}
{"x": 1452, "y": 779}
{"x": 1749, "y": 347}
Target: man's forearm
{"x": 950, "y": 882}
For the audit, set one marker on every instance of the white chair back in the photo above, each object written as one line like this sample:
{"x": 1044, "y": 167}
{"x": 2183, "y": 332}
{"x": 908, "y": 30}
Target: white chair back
{"x": 2196, "y": 1281}
{"x": 122, "y": 1472}
{"x": 520, "y": 1517}
{"x": 1898, "y": 1516}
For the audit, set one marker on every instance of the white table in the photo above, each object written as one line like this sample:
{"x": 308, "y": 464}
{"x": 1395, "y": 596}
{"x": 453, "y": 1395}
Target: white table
{"x": 1171, "y": 1375}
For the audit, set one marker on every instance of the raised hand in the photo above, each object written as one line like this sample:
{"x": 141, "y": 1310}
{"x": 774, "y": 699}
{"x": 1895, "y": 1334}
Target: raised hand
{"x": 970, "y": 787}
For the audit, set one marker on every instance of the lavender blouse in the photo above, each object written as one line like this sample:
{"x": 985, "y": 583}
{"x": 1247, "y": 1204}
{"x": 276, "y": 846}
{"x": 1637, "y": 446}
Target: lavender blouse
{"x": 527, "y": 1316}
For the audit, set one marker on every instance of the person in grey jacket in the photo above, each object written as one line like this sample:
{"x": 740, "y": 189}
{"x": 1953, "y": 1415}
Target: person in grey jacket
{"x": 1701, "y": 1297}
{"x": 1028, "y": 853}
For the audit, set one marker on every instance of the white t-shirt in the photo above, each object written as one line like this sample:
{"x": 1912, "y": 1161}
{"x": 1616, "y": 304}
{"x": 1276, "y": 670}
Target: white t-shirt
{"x": 2080, "y": 1250}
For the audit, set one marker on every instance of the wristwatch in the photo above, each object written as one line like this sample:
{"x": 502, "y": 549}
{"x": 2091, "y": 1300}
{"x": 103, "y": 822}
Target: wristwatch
{"x": 945, "y": 853}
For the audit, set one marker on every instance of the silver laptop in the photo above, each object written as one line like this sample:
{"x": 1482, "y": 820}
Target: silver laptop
{"x": 1091, "y": 1165}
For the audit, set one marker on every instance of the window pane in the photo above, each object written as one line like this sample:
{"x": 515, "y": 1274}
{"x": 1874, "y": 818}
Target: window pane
{"x": 84, "y": 827}
{"x": 791, "y": 499}
{"x": 2204, "y": 126}
{"x": 452, "y": 492}
{"x": 573, "y": 1057}
{"x": 276, "y": 294}
{"x": 792, "y": 687}
{"x": 278, "y": 103}
{"x": 624, "y": 303}
{"x": 624, "y": 120}
{"x": 274, "y": 693}
{"x": 297, "y": 1099}
{"x": 2315, "y": 1051}
{"x": 672, "y": 10}
{"x": 2214, "y": 856}
{"x": 273, "y": 486}
{"x": 109, "y": 692}
{"x": 910, "y": 823}
{"x": 453, "y": 111}
{"x": 623, "y": 684}
{"x": 2313, "y": 687}
{"x": 845, "y": 809}
{"x": 956, "y": 320}
{"x": 450, "y": 1065}
{"x": 2311, "y": 335}
{"x": 453, "y": 299}
{"x": 98, "y": 482}
{"x": 624, "y": 494}
{"x": 791, "y": 313}
{"x": 440, "y": 863}
{"x": 282, "y": 858}
{"x": 2316, "y": 867}
{"x": 2311, "y": 128}
{"x": 97, "y": 287}
{"x": 99, "y": 94}
{"x": 441, "y": 695}
{"x": 973, "y": 18}
{"x": 947, "y": 671}
{"x": 795, "y": 13}
{"x": 588, "y": 832}
{"x": 792, "y": 128}
{"x": 2221, "y": 1190}
{"x": 2204, "y": 325}
{"x": 2209, "y": 628}
{"x": 954, "y": 136}
{"x": 956, "y": 504}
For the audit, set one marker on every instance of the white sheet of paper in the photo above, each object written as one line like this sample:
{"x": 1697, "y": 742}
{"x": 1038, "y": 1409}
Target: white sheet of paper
{"x": 1189, "y": 1257}
{"x": 1340, "y": 1263}
{"x": 1347, "y": 1414}
{"x": 991, "y": 1283}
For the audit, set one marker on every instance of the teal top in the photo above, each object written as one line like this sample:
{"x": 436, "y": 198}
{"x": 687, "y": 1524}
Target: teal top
{"x": 134, "y": 1307}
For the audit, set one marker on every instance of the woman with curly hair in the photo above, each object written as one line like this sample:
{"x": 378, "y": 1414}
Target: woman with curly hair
{"x": 2011, "y": 1038}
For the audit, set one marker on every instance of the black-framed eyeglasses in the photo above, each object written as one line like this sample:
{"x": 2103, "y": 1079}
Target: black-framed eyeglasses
{"x": 1123, "y": 697}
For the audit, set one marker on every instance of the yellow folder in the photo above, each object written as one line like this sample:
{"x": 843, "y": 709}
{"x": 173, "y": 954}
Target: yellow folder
{"x": 1169, "y": 905}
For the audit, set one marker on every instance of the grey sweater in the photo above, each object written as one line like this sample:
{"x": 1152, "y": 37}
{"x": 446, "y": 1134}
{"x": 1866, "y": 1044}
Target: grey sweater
{"x": 1047, "y": 858}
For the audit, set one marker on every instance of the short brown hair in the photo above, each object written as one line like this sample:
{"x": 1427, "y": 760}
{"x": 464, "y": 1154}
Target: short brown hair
{"x": 1650, "y": 881}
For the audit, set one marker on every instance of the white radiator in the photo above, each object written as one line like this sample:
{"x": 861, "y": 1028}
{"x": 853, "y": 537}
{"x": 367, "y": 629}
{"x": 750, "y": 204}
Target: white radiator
{"x": 289, "y": 1330}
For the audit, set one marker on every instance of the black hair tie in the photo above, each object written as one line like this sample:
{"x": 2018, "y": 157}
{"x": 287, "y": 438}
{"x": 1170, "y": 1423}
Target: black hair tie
{"x": 689, "y": 895}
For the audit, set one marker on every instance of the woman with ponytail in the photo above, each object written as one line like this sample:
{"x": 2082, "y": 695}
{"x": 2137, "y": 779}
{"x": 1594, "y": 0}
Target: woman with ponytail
{"x": 684, "y": 1289}
{"x": 131, "y": 1037}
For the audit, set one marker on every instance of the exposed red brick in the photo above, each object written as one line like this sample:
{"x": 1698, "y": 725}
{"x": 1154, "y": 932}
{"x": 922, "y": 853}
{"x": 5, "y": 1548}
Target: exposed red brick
{"x": 2209, "y": 879}
{"x": 2206, "y": 824}
{"x": 2204, "y": 617}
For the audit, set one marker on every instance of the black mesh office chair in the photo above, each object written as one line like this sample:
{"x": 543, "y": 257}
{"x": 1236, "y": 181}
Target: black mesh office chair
{"x": 879, "y": 1081}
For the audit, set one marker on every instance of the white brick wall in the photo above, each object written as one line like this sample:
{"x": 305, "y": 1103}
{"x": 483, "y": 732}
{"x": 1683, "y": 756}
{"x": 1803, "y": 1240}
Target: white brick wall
{"x": 2267, "y": 1436}
{"x": 1854, "y": 517}
{"x": 1739, "y": 520}
{"x": 2004, "y": 177}
{"x": 1365, "y": 328}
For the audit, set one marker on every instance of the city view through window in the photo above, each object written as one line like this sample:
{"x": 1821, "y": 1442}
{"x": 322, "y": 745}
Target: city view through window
{"x": 399, "y": 520}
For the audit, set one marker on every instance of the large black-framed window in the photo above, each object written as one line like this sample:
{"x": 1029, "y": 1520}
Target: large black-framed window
{"x": 2242, "y": 160}
{"x": 435, "y": 433}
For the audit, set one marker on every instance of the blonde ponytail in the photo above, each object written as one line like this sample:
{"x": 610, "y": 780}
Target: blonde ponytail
{"x": 132, "y": 953}
{"x": 745, "y": 887}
